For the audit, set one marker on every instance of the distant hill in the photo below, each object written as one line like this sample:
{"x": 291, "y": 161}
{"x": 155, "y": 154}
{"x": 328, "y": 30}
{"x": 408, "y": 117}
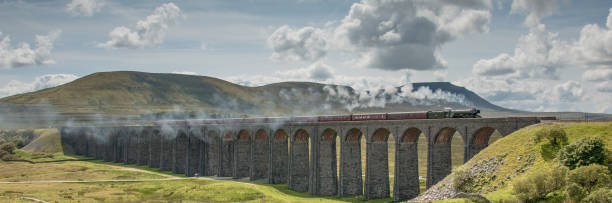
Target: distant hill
{"x": 134, "y": 93}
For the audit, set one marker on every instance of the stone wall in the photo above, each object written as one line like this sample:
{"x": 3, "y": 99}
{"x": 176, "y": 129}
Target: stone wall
{"x": 109, "y": 147}
{"x": 155, "y": 149}
{"x": 227, "y": 158}
{"x": 261, "y": 155}
{"x": 212, "y": 149}
{"x": 280, "y": 159}
{"x": 132, "y": 148}
{"x": 120, "y": 147}
{"x": 243, "y": 157}
{"x": 194, "y": 159}
{"x": 439, "y": 163}
{"x": 406, "y": 182}
{"x": 351, "y": 181}
{"x": 143, "y": 147}
{"x": 327, "y": 180}
{"x": 377, "y": 171}
{"x": 179, "y": 162}
{"x": 91, "y": 144}
{"x": 299, "y": 172}
{"x": 165, "y": 160}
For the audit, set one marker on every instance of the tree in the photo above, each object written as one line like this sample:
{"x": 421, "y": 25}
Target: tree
{"x": 583, "y": 152}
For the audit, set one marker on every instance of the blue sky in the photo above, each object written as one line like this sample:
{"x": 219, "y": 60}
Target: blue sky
{"x": 542, "y": 55}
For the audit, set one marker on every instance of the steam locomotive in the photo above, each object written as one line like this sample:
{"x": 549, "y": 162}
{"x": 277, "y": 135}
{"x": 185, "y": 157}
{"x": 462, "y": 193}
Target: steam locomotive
{"x": 467, "y": 113}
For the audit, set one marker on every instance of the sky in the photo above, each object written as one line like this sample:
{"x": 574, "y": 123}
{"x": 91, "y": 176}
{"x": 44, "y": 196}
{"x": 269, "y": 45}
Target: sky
{"x": 535, "y": 55}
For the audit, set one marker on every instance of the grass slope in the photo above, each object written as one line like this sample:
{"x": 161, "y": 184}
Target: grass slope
{"x": 47, "y": 141}
{"x": 521, "y": 156}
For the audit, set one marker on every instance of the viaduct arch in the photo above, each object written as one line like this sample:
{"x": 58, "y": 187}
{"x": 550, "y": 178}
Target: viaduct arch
{"x": 300, "y": 154}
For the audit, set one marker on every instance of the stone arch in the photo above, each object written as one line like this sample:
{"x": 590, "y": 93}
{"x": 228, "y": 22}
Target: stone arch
{"x": 212, "y": 148}
{"x": 261, "y": 158}
{"x": 301, "y": 135}
{"x": 326, "y": 164}
{"x": 410, "y": 135}
{"x": 242, "y": 149}
{"x": 244, "y": 135}
{"x": 353, "y": 135}
{"x": 482, "y": 135}
{"x": 479, "y": 141}
{"x": 280, "y": 134}
{"x": 280, "y": 157}
{"x": 380, "y": 135}
{"x": 300, "y": 162}
{"x": 377, "y": 168}
{"x": 445, "y": 135}
{"x": 351, "y": 180}
{"x": 261, "y": 134}
{"x": 440, "y": 157}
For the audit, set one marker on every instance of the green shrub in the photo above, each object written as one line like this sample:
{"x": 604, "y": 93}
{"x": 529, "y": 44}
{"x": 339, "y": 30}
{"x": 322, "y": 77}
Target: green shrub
{"x": 555, "y": 135}
{"x": 602, "y": 195}
{"x": 461, "y": 179}
{"x": 3, "y": 153}
{"x": 586, "y": 179}
{"x": 537, "y": 185}
{"x": 8, "y": 147}
{"x": 583, "y": 152}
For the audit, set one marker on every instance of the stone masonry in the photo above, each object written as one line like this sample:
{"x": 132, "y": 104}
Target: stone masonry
{"x": 300, "y": 154}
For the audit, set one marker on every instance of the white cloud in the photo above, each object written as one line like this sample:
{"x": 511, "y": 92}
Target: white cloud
{"x": 605, "y": 87}
{"x": 390, "y": 35}
{"x": 396, "y": 35}
{"x": 570, "y": 91}
{"x": 41, "y": 82}
{"x": 597, "y": 75}
{"x": 290, "y": 44}
{"x": 538, "y": 54}
{"x": 24, "y": 55}
{"x": 148, "y": 32}
{"x": 594, "y": 47}
{"x": 537, "y": 9}
{"x": 84, "y": 7}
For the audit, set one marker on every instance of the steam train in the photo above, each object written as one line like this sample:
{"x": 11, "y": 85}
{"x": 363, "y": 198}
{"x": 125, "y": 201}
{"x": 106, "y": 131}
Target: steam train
{"x": 467, "y": 113}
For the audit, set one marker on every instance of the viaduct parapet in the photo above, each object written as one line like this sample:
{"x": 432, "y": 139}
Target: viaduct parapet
{"x": 303, "y": 155}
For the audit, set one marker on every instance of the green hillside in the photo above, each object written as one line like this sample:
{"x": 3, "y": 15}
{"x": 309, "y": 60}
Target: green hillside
{"x": 134, "y": 93}
{"x": 497, "y": 168}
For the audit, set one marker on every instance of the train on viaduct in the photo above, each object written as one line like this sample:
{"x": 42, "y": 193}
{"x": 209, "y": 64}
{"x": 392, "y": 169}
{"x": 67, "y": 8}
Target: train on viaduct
{"x": 301, "y": 152}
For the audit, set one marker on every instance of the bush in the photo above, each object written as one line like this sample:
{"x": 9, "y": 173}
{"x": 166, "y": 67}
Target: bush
{"x": 583, "y": 152}
{"x": 3, "y": 153}
{"x": 555, "y": 135}
{"x": 461, "y": 179}
{"x": 537, "y": 185}
{"x": 586, "y": 179}
{"x": 8, "y": 147}
{"x": 602, "y": 195}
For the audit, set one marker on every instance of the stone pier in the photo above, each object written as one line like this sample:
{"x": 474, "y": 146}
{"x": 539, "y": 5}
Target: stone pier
{"x": 226, "y": 168}
{"x": 377, "y": 166}
{"x": 261, "y": 155}
{"x": 242, "y": 159}
{"x": 279, "y": 163}
{"x": 299, "y": 175}
{"x": 351, "y": 181}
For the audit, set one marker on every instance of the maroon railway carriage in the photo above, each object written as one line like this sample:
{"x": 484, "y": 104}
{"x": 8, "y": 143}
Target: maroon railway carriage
{"x": 331, "y": 118}
{"x": 369, "y": 117}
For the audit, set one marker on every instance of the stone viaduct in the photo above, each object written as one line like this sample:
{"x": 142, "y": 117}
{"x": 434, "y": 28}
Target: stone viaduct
{"x": 303, "y": 155}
